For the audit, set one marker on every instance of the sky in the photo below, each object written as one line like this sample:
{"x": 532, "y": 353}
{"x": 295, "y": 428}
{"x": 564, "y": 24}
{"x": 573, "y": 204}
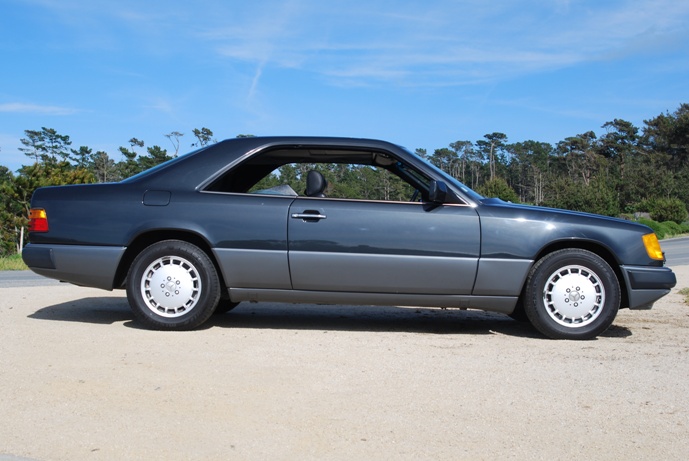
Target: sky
{"x": 422, "y": 74}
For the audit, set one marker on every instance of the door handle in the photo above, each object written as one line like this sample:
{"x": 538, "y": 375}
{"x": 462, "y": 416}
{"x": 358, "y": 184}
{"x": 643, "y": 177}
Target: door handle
{"x": 309, "y": 215}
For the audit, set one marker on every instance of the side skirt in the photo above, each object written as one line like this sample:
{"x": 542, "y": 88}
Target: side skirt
{"x": 501, "y": 304}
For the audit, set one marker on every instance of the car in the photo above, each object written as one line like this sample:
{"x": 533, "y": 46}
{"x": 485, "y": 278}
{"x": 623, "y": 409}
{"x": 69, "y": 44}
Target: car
{"x": 337, "y": 221}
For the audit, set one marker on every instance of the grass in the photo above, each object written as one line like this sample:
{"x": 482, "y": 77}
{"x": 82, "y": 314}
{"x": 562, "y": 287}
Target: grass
{"x": 12, "y": 263}
{"x": 685, "y": 292}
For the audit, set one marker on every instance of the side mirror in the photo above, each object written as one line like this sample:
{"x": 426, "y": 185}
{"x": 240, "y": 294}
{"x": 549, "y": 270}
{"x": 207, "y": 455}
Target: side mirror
{"x": 437, "y": 192}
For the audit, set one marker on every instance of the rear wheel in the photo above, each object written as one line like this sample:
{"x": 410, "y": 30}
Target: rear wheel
{"x": 173, "y": 285}
{"x": 572, "y": 294}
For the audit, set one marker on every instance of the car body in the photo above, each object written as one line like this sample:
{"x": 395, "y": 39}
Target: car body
{"x": 197, "y": 235}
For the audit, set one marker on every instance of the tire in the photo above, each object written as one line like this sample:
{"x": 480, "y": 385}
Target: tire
{"x": 224, "y": 306}
{"x": 173, "y": 285}
{"x": 518, "y": 314}
{"x": 572, "y": 294}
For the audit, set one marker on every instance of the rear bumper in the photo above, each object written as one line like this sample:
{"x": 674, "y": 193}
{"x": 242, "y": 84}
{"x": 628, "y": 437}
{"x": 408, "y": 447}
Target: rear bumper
{"x": 645, "y": 285}
{"x": 90, "y": 266}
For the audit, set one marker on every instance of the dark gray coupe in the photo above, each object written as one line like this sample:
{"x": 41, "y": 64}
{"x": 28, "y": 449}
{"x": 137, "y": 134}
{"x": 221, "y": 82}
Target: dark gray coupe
{"x": 337, "y": 221}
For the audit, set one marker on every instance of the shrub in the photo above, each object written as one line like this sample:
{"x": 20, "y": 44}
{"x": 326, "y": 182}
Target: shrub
{"x": 657, "y": 227}
{"x": 499, "y": 188}
{"x": 667, "y": 209}
{"x": 672, "y": 227}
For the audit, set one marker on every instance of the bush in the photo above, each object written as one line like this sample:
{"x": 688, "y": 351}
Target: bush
{"x": 672, "y": 227}
{"x": 657, "y": 227}
{"x": 667, "y": 209}
{"x": 596, "y": 197}
{"x": 499, "y": 188}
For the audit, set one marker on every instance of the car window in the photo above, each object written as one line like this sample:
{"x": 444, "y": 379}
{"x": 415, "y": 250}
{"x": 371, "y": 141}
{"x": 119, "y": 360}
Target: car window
{"x": 356, "y": 182}
{"x": 349, "y": 175}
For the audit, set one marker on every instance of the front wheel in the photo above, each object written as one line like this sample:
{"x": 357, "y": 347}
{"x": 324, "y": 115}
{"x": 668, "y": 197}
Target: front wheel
{"x": 173, "y": 285}
{"x": 572, "y": 294}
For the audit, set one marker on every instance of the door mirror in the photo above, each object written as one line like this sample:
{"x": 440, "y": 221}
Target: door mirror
{"x": 437, "y": 192}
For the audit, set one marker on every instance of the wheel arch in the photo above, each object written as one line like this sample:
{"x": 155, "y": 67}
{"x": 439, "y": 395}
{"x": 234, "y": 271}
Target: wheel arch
{"x": 592, "y": 246}
{"x": 150, "y": 237}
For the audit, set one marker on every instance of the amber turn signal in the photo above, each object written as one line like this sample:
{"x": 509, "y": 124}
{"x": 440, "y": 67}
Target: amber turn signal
{"x": 38, "y": 220}
{"x": 653, "y": 247}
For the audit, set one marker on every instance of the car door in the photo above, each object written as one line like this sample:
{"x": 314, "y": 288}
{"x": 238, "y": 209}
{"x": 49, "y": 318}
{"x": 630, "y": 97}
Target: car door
{"x": 248, "y": 235}
{"x": 382, "y": 247}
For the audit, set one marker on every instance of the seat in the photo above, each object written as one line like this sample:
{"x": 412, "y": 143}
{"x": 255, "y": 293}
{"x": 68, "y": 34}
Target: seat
{"x": 315, "y": 184}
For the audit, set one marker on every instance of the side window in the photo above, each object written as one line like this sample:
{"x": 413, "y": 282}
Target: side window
{"x": 346, "y": 181}
{"x": 353, "y": 175}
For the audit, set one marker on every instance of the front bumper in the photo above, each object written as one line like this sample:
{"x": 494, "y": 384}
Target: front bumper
{"x": 90, "y": 266}
{"x": 645, "y": 285}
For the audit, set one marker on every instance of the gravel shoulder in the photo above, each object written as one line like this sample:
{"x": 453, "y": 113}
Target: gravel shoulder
{"x": 81, "y": 381}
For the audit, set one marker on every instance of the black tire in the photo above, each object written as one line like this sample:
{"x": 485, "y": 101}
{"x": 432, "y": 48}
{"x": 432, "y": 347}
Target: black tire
{"x": 518, "y": 314}
{"x": 172, "y": 285}
{"x": 224, "y": 306}
{"x": 572, "y": 294}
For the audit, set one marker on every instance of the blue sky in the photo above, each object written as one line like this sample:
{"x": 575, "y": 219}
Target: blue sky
{"x": 422, "y": 74}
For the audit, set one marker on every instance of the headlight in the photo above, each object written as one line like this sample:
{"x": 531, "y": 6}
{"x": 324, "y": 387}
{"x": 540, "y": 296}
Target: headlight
{"x": 653, "y": 247}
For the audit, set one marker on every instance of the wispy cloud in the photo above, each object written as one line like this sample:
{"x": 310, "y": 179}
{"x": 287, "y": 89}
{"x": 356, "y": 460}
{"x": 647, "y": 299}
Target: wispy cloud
{"x": 35, "y": 109}
{"x": 443, "y": 42}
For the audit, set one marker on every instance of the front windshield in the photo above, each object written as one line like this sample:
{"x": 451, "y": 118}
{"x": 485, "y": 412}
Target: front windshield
{"x": 473, "y": 195}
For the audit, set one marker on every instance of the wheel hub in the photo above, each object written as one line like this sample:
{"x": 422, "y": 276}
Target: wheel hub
{"x": 574, "y": 296}
{"x": 171, "y": 286}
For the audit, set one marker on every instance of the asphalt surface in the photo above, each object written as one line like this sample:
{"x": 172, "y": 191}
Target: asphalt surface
{"x": 18, "y": 279}
{"x": 676, "y": 251}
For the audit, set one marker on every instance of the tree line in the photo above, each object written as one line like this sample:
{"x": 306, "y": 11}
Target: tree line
{"x": 626, "y": 170}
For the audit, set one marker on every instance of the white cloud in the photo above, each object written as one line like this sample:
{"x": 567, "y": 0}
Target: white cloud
{"x": 443, "y": 42}
{"x": 36, "y": 109}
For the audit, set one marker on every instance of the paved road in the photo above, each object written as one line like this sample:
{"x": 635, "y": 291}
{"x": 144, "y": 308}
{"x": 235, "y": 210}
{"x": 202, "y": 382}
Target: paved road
{"x": 13, "y": 279}
{"x": 676, "y": 251}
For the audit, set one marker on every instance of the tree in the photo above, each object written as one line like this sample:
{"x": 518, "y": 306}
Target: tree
{"x": 529, "y": 169}
{"x": 33, "y": 145}
{"x": 492, "y": 146}
{"x": 103, "y": 167}
{"x": 463, "y": 150}
{"x": 670, "y": 133}
{"x": 581, "y": 155}
{"x": 129, "y": 166}
{"x": 56, "y": 145}
{"x": 445, "y": 159}
{"x": 598, "y": 196}
{"x": 204, "y": 136}
{"x": 156, "y": 155}
{"x": 174, "y": 139}
{"x": 82, "y": 158}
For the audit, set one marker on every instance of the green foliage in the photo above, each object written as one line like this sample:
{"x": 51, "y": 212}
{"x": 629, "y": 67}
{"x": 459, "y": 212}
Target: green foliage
{"x": 685, "y": 292}
{"x": 596, "y": 197}
{"x": 671, "y": 228}
{"x": 657, "y": 227}
{"x": 667, "y": 209}
{"x": 666, "y": 229}
{"x": 12, "y": 263}
{"x": 499, "y": 188}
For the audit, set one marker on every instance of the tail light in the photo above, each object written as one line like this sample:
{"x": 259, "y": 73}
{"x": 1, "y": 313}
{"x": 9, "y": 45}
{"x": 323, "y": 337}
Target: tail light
{"x": 38, "y": 220}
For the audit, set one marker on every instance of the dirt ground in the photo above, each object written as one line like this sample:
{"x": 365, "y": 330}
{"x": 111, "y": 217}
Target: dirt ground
{"x": 81, "y": 381}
